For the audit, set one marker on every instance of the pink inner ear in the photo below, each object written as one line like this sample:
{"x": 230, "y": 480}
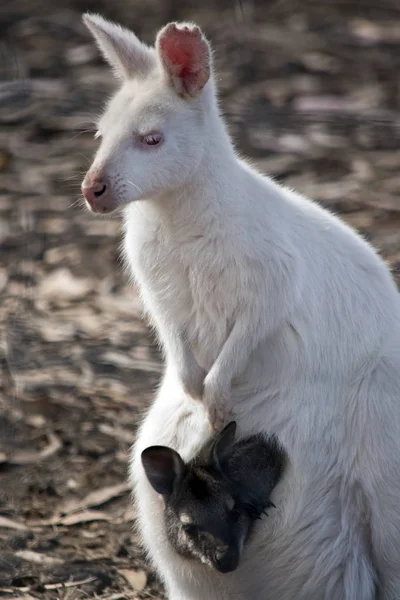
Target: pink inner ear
{"x": 185, "y": 55}
{"x": 178, "y": 56}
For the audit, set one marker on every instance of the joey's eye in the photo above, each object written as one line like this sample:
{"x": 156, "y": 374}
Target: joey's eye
{"x": 235, "y": 510}
{"x": 235, "y": 513}
{"x": 189, "y": 528}
{"x": 151, "y": 139}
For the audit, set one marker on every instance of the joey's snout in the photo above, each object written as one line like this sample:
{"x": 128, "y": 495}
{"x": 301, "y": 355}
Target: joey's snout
{"x": 98, "y": 194}
{"x": 227, "y": 560}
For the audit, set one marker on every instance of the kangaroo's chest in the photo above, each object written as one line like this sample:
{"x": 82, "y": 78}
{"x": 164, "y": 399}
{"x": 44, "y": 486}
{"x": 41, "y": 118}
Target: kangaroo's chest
{"x": 186, "y": 281}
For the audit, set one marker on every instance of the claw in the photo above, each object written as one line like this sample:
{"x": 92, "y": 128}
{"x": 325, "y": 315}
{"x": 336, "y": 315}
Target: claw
{"x": 217, "y": 419}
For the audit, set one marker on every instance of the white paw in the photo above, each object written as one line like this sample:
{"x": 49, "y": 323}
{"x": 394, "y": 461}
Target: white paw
{"x": 218, "y": 404}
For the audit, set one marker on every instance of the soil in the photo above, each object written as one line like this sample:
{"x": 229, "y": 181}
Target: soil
{"x": 311, "y": 92}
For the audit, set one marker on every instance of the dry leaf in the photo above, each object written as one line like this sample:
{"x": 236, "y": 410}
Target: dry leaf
{"x": 61, "y": 284}
{"x": 95, "y": 498}
{"x": 73, "y": 519}
{"x": 136, "y": 579}
{"x": 122, "y": 361}
{"x": 28, "y": 458}
{"x": 117, "y": 433}
{"x": 68, "y": 584}
{"x": 37, "y": 558}
{"x": 54, "y": 445}
{"x": 84, "y": 517}
{"x": 24, "y": 597}
{"x": 9, "y": 524}
{"x": 382, "y": 201}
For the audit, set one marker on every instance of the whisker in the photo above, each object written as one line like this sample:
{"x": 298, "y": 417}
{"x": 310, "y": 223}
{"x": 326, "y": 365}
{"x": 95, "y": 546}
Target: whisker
{"x": 80, "y": 133}
{"x": 77, "y": 202}
{"x": 76, "y": 177}
{"x": 136, "y": 186}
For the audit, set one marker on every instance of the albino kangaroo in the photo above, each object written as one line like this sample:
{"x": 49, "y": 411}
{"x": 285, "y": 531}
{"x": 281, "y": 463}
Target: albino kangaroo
{"x": 267, "y": 306}
{"x": 212, "y": 503}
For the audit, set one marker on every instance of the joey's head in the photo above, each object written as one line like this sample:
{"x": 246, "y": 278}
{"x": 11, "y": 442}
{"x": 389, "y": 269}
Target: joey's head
{"x": 210, "y": 506}
{"x": 152, "y": 134}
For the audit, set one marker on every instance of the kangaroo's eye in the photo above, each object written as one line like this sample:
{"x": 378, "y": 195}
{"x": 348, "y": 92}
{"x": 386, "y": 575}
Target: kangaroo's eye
{"x": 151, "y": 139}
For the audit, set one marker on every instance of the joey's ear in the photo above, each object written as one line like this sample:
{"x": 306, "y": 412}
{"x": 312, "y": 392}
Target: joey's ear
{"x": 164, "y": 468}
{"x": 186, "y": 57}
{"x": 222, "y": 443}
{"x": 124, "y": 52}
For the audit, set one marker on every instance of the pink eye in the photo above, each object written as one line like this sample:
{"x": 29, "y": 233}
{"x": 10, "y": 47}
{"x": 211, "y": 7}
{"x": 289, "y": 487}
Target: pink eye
{"x": 151, "y": 139}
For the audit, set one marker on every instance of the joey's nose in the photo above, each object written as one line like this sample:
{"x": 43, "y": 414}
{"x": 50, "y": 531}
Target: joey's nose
{"x": 93, "y": 191}
{"x": 227, "y": 560}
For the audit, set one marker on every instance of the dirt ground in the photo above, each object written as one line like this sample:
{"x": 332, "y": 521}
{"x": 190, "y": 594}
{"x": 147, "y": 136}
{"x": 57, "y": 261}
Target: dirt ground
{"x": 312, "y": 94}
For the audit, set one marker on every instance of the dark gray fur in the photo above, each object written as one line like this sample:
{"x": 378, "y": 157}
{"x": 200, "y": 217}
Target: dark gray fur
{"x": 212, "y": 503}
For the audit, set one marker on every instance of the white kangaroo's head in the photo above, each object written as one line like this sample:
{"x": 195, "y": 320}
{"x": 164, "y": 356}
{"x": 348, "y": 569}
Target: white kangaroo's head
{"x": 152, "y": 132}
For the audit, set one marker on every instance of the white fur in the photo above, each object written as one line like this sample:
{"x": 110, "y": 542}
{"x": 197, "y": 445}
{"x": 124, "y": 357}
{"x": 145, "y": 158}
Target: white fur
{"x": 294, "y": 319}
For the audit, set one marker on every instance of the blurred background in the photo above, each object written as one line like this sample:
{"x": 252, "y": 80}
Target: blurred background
{"x": 311, "y": 92}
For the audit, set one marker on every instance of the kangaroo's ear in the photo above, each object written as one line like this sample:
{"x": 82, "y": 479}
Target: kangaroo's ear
{"x": 186, "y": 57}
{"x": 222, "y": 445}
{"x": 164, "y": 468}
{"x": 124, "y": 52}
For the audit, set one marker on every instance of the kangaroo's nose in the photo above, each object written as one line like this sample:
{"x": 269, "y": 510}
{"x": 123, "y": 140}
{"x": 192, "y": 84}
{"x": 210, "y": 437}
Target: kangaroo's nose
{"x": 93, "y": 191}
